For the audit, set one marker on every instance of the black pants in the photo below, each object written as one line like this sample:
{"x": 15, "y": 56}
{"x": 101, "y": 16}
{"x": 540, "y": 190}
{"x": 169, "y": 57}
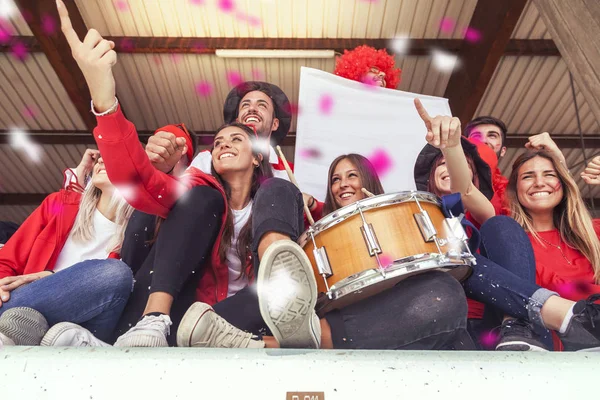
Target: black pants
{"x": 408, "y": 316}
{"x": 174, "y": 262}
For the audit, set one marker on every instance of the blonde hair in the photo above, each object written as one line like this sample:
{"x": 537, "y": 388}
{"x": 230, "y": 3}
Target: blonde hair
{"x": 83, "y": 228}
{"x": 571, "y": 216}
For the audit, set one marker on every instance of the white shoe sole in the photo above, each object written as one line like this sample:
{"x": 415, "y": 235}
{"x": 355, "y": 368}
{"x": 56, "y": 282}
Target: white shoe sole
{"x": 56, "y": 331}
{"x": 189, "y": 322}
{"x": 288, "y": 313}
{"x": 519, "y": 343}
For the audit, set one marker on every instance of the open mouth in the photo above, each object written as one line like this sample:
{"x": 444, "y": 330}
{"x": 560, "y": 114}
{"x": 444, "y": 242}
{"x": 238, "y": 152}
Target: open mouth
{"x": 252, "y": 119}
{"x": 346, "y": 196}
{"x": 226, "y": 155}
{"x": 541, "y": 194}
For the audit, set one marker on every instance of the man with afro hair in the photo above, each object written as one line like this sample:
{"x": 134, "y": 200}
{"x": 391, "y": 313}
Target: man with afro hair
{"x": 370, "y": 66}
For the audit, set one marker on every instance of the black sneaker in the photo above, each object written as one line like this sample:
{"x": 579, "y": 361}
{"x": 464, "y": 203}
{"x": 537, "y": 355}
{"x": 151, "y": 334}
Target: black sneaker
{"x": 583, "y": 332}
{"x": 518, "y": 335}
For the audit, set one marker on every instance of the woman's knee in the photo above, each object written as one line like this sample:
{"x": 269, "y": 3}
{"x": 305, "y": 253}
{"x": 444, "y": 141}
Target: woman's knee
{"x": 277, "y": 186}
{"x": 500, "y": 223}
{"x": 115, "y": 276}
{"x": 201, "y": 200}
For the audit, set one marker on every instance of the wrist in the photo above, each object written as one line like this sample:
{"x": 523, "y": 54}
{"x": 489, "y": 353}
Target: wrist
{"x": 311, "y": 203}
{"x": 104, "y": 107}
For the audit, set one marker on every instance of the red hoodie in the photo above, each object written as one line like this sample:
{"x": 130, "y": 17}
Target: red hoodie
{"x": 154, "y": 192}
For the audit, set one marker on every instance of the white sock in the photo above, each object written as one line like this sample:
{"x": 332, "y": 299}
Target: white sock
{"x": 567, "y": 320}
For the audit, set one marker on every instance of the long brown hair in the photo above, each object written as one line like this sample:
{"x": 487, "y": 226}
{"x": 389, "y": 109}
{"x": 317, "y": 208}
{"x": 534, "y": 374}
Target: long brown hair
{"x": 571, "y": 217}
{"x": 437, "y": 162}
{"x": 368, "y": 177}
{"x": 260, "y": 173}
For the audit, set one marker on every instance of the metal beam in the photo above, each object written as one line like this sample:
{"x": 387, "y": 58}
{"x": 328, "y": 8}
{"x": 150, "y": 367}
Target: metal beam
{"x": 56, "y": 48}
{"x": 21, "y": 199}
{"x": 192, "y": 45}
{"x": 496, "y": 21}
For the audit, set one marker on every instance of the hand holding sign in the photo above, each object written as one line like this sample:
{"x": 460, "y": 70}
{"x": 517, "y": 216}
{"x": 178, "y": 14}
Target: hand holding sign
{"x": 442, "y": 131}
{"x": 95, "y": 57}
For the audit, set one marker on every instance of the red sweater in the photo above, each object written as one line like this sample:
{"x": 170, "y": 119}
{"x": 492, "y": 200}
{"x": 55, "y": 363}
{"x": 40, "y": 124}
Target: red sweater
{"x": 36, "y": 245}
{"x": 573, "y": 281}
{"x": 154, "y": 192}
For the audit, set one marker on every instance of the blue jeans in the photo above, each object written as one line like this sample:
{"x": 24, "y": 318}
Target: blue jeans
{"x": 91, "y": 293}
{"x": 504, "y": 276}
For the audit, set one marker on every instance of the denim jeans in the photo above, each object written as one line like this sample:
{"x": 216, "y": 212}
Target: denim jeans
{"x": 91, "y": 293}
{"x": 504, "y": 276}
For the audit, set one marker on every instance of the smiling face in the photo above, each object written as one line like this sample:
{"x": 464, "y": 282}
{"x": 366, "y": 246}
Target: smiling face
{"x": 346, "y": 183}
{"x": 232, "y": 152}
{"x": 539, "y": 188}
{"x": 491, "y": 135}
{"x": 441, "y": 177}
{"x": 256, "y": 109}
{"x": 99, "y": 176}
{"x": 375, "y": 77}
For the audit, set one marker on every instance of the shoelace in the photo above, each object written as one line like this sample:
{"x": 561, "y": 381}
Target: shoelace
{"x": 153, "y": 322}
{"x": 592, "y": 310}
{"x": 230, "y": 335}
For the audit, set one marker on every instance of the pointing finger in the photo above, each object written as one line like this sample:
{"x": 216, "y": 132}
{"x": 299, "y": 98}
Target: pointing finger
{"x": 66, "y": 26}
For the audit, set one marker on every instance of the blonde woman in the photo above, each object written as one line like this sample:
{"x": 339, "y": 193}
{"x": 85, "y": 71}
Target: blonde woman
{"x": 49, "y": 269}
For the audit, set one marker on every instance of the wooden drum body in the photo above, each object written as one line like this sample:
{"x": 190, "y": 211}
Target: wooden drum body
{"x": 371, "y": 245}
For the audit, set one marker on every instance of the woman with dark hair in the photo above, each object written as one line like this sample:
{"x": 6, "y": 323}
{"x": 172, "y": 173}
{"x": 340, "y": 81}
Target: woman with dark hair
{"x": 504, "y": 276}
{"x": 403, "y": 317}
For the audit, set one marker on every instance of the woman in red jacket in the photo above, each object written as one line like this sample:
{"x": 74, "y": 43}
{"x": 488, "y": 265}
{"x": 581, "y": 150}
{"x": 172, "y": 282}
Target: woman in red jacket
{"x": 50, "y": 269}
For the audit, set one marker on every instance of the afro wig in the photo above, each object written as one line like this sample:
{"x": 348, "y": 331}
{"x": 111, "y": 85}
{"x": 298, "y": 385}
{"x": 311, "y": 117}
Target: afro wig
{"x": 354, "y": 65}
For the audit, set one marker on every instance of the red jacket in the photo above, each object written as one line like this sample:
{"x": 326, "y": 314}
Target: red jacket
{"x": 36, "y": 245}
{"x": 154, "y": 192}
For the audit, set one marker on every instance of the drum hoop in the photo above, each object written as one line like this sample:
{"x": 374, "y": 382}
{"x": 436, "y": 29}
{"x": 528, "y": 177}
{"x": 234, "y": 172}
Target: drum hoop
{"x": 348, "y": 211}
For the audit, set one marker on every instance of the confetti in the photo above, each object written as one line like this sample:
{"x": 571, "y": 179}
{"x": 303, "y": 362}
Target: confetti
{"x": 400, "y": 44}
{"x": 176, "y": 58}
{"x": 127, "y": 192}
{"x": 292, "y": 108}
{"x": 204, "y": 88}
{"x": 472, "y": 35}
{"x": 196, "y": 2}
{"x": 48, "y": 25}
{"x": 8, "y": 9}
{"x": 29, "y": 112}
{"x": 326, "y": 104}
{"x": 257, "y": 74}
{"x": 226, "y": 6}
{"x": 447, "y": 25}
{"x": 20, "y": 141}
{"x": 382, "y": 162}
{"x": 310, "y": 153}
{"x": 444, "y": 61}
{"x": 261, "y": 145}
{"x": 19, "y": 51}
{"x": 234, "y": 78}
{"x": 126, "y": 45}
{"x": 489, "y": 339}
{"x": 4, "y": 33}
{"x": 386, "y": 260}
{"x": 250, "y": 19}
{"x": 121, "y": 5}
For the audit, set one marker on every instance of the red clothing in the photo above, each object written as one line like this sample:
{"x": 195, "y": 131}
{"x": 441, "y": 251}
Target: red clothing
{"x": 500, "y": 183}
{"x": 154, "y": 192}
{"x": 573, "y": 281}
{"x": 36, "y": 245}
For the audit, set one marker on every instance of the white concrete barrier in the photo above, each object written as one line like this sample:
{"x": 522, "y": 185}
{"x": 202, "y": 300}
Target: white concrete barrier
{"x": 111, "y": 373}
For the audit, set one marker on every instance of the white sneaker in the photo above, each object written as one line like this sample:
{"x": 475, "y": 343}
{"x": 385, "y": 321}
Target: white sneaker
{"x": 23, "y": 326}
{"x": 201, "y": 326}
{"x": 287, "y": 294}
{"x": 151, "y": 331}
{"x": 5, "y": 340}
{"x": 68, "y": 334}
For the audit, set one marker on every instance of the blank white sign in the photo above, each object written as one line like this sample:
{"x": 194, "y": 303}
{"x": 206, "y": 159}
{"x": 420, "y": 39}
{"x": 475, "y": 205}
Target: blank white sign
{"x": 339, "y": 116}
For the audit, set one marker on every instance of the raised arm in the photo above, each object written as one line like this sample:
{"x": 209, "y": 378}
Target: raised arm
{"x": 444, "y": 132}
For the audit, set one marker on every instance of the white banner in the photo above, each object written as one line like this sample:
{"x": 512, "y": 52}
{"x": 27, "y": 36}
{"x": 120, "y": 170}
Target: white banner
{"x": 339, "y": 116}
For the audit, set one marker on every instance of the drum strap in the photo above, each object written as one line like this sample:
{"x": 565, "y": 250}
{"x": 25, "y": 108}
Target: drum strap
{"x": 452, "y": 206}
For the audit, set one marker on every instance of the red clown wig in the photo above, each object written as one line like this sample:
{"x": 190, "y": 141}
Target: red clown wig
{"x": 354, "y": 65}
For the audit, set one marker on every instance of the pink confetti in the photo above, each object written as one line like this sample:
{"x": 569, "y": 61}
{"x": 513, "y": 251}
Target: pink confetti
{"x": 447, "y": 25}
{"x": 56, "y": 208}
{"x": 257, "y": 74}
{"x": 4, "y": 36}
{"x": 234, "y": 78}
{"x": 566, "y": 289}
{"x": 382, "y": 162}
{"x": 29, "y": 112}
{"x": 198, "y": 47}
{"x": 196, "y": 2}
{"x": 326, "y": 104}
{"x": 19, "y": 51}
{"x": 126, "y": 45}
{"x": 204, "y": 88}
{"x": 176, "y": 58}
{"x": 48, "y": 25}
{"x": 121, "y": 5}
{"x": 226, "y": 6}
{"x": 250, "y": 19}
{"x": 311, "y": 153}
{"x": 157, "y": 60}
{"x": 489, "y": 339}
{"x": 386, "y": 260}
{"x": 293, "y": 108}
{"x": 472, "y": 35}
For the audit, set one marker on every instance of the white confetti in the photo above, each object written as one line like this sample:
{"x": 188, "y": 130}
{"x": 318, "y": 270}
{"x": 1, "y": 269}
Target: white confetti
{"x": 261, "y": 145}
{"x": 444, "y": 61}
{"x": 8, "y": 9}
{"x": 20, "y": 141}
{"x": 400, "y": 44}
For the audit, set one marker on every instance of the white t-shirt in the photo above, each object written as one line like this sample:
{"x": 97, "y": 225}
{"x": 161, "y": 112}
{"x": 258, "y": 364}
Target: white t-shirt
{"x": 203, "y": 161}
{"x": 234, "y": 264}
{"x": 74, "y": 252}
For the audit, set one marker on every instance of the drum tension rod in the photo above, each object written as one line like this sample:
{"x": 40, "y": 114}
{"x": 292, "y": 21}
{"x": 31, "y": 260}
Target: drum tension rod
{"x": 426, "y": 225}
{"x": 371, "y": 241}
{"x": 322, "y": 260}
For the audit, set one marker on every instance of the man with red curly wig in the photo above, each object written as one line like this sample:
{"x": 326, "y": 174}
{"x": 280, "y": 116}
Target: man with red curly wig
{"x": 370, "y": 66}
